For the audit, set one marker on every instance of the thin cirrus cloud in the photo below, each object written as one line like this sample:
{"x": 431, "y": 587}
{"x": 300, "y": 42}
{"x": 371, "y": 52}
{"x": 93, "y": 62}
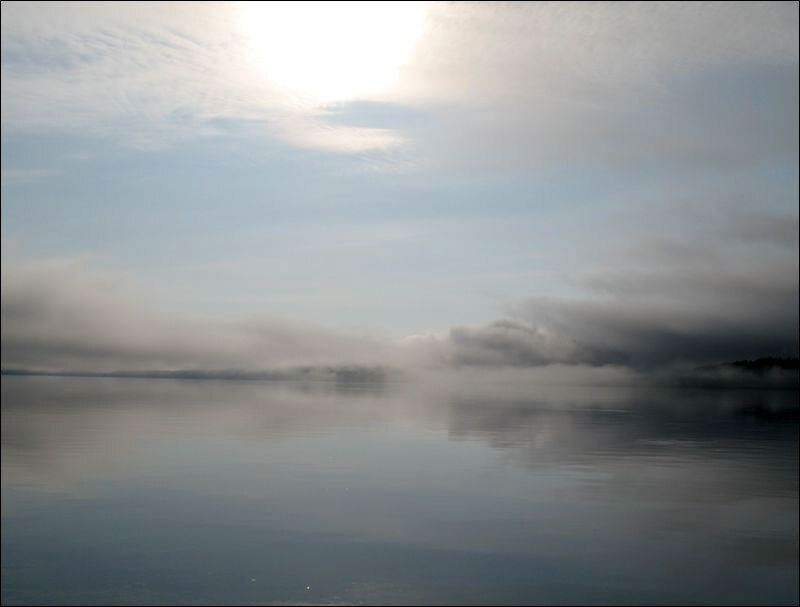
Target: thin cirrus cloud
{"x": 544, "y": 82}
{"x": 153, "y": 77}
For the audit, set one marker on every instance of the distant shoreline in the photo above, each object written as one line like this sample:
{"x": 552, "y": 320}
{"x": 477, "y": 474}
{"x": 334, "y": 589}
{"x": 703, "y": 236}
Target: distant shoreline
{"x": 763, "y": 373}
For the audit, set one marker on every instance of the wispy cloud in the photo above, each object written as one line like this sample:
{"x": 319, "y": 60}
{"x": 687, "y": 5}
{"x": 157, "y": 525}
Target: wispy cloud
{"x": 525, "y": 85}
{"x": 150, "y": 78}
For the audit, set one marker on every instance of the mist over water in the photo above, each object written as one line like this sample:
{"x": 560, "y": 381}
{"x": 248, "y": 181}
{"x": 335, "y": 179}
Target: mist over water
{"x": 121, "y": 491}
{"x": 401, "y": 303}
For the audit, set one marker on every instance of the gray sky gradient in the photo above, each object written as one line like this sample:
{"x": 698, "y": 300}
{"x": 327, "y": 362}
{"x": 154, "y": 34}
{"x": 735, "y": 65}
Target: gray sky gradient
{"x": 574, "y": 183}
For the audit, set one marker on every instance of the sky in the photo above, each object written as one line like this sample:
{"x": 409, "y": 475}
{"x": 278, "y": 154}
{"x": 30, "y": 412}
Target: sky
{"x": 245, "y": 185}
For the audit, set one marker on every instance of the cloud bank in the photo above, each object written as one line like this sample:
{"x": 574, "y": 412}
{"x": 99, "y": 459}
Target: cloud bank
{"x": 62, "y": 316}
{"x": 660, "y": 302}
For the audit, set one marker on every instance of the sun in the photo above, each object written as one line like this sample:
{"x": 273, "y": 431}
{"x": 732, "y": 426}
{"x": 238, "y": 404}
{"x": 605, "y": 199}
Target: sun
{"x": 331, "y": 51}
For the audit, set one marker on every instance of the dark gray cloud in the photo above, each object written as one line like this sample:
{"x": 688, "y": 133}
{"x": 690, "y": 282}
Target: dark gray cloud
{"x": 726, "y": 318}
{"x": 511, "y": 343}
{"x": 727, "y": 291}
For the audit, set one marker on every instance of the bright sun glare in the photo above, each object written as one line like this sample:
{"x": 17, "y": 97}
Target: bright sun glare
{"x": 328, "y": 51}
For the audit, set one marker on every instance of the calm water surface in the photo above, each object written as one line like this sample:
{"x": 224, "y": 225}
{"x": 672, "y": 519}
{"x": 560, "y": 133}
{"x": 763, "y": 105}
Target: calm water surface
{"x": 200, "y": 492}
